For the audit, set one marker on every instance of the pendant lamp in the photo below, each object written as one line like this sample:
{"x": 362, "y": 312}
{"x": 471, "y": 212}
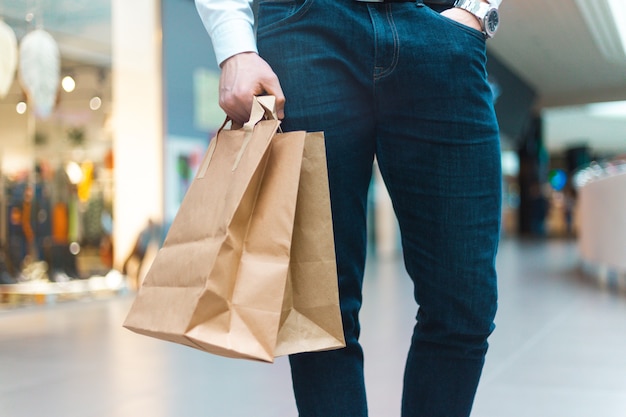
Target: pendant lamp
{"x": 8, "y": 63}
{"x": 39, "y": 70}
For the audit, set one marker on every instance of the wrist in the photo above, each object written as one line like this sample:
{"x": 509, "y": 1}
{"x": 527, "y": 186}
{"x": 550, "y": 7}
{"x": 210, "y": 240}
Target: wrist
{"x": 238, "y": 55}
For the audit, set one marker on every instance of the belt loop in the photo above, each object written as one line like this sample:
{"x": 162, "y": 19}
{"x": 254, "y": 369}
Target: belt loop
{"x": 386, "y": 1}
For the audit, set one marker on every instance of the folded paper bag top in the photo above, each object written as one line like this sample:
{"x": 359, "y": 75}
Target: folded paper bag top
{"x": 248, "y": 267}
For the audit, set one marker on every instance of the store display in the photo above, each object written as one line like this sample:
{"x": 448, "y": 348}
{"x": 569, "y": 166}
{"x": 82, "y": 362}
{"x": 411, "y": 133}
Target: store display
{"x": 45, "y": 222}
{"x": 56, "y": 232}
{"x": 39, "y": 70}
{"x": 8, "y": 63}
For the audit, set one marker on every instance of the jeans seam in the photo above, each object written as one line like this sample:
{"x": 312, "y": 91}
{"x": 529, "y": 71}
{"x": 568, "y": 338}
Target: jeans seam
{"x": 381, "y": 72}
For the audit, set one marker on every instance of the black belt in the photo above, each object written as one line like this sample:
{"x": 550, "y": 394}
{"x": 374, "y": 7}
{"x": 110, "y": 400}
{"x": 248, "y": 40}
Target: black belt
{"x": 433, "y": 2}
{"x": 387, "y": 1}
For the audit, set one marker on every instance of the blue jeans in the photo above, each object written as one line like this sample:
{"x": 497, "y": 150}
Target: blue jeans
{"x": 401, "y": 83}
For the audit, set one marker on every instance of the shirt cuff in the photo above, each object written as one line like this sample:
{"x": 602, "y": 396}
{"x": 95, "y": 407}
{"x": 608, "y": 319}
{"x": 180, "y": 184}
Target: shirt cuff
{"x": 232, "y": 37}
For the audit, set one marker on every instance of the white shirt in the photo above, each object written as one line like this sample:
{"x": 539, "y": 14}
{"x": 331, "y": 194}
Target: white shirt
{"x": 230, "y": 24}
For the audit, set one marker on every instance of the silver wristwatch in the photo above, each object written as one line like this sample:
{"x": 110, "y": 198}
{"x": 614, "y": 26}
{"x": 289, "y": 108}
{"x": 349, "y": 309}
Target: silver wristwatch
{"x": 486, "y": 13}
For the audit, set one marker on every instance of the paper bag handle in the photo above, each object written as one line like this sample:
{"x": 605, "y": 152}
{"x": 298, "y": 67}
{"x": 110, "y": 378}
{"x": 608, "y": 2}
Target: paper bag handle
{"x": 263, "y": 107}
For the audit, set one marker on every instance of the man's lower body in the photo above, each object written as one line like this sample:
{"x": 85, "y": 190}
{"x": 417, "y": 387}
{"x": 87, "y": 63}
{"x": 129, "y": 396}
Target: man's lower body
{"x": 401, "y": 83}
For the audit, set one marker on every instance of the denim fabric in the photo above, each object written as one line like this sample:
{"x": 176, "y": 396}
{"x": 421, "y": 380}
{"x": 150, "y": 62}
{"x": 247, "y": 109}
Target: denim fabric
{"x": 399, "y": 82}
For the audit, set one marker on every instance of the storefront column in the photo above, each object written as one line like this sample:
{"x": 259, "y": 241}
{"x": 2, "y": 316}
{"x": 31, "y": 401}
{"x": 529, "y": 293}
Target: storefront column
{"x": 137, "y": 121}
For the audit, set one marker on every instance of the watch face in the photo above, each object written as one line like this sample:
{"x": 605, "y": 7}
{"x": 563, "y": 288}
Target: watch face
{"x": 492, "y": 21}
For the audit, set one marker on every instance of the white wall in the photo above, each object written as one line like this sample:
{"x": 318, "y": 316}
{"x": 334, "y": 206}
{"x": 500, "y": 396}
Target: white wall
{"x": 137, "y": 119}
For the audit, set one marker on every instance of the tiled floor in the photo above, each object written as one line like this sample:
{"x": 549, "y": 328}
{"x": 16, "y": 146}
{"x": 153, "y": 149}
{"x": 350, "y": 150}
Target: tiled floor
{"x": 559, "y": 351}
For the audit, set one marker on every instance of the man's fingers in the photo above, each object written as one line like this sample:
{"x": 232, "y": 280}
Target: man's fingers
{"x": 273, "y": 88}
{"x": 236, "y": 105}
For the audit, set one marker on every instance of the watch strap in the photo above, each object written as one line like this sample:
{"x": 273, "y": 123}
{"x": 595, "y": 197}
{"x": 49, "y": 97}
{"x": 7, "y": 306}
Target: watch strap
{"x": 472, "y": 6}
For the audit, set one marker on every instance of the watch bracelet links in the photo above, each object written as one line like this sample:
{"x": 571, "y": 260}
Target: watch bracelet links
{"x": 449, "y": 3}
{"x": 446, "y": 2}
{"x": 430, "y": 2}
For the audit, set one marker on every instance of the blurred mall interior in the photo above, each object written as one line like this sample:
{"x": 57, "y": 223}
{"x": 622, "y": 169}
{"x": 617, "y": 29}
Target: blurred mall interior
{"x": 107, "y": 107}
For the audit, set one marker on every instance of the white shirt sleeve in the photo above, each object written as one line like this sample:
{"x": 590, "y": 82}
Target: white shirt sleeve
{"x": 230, "y": 24}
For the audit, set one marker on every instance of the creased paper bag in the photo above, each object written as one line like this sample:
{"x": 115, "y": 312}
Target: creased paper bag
{"x": 248, "y": 269}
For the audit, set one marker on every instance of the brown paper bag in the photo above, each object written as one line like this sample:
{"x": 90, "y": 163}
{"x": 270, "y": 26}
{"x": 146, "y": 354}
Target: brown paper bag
{"x": 248, "y": 268}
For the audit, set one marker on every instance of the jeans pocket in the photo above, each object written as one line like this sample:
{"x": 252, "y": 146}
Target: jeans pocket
{"x": 274, "y": 14}
{"x": 458, "y": 25}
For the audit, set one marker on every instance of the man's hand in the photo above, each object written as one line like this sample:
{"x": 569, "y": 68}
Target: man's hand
{"x": 463, "y": 16}
{"x": 243, "y": 76}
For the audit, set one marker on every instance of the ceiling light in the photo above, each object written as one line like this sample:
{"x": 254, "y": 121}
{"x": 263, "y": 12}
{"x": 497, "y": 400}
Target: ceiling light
{"x": 39, "y": 69}
{"x": 618, "y": 8}
{"x": 68, "y": 83}
{"x": 95, "y": 103}
{"x": 613, "y": 109}
{"x": 21, "y": 107}
{"x": 8, "y": 64}
{"x": 74, "y": 172}
{"x": 606, "y": 20}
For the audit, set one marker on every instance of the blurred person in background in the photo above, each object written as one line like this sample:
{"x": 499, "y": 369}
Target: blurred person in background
{"x": 151, "y": 236}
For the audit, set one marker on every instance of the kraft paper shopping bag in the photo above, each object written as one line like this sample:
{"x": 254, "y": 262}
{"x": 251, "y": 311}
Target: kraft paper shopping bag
{"x": 230, "y": 277}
